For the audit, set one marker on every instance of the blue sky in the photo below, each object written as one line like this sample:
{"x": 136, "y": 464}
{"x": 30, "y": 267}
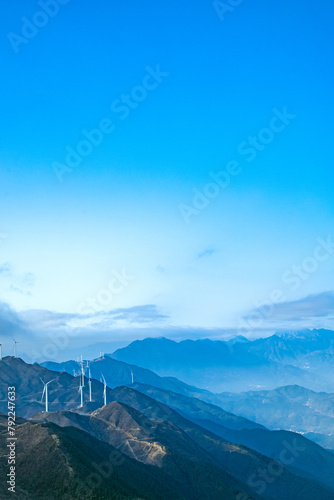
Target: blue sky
{"x": 119, "y": 209}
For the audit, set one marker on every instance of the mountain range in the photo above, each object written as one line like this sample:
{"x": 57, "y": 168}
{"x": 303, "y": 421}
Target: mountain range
{"x": 119, "y": 373}
{"x": 57, "y": 463}
{"x": 233, "y": 429}
{"x": 28, "y": 381}
{"x": 164, "y": 450}
{"x": 291, "y": 407}
{"x": 297, "y": 358}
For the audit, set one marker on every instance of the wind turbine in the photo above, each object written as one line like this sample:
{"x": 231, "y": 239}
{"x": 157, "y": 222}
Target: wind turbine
{"x": 81, "y": 395}
{"x": 104, "y": 390}
{"x": 90, "y": 387}
{"x": 0, "y": 352}
{"x": 82, "y": 376}
{"x": 45, "y": 391}
{"x": 15, "y": 347}
{"x": 131, "y": 377}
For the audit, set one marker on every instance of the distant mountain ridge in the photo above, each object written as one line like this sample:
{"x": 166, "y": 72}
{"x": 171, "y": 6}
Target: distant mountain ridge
{"x": 119, "y": 373}
{"x": 196, "y": 408}
{"x": 302, "y": 358}
{"x": 290, "y": 407}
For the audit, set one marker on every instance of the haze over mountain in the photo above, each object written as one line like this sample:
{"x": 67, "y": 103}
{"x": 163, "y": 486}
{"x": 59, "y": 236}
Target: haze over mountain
{"x": 119, "y": 373}
{"x": 290, "y": 407}
{"x": 196, "y": 409}
{"x": 301, "y": 358}
{"x": 313, "y": 460}
{"x": 200, "y": 463}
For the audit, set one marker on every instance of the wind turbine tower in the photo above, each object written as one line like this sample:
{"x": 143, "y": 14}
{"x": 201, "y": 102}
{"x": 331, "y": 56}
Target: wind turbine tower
{"x": 0, "y": 352}
{"x": 81, "y": 395}
{"x": 90, "y": 387}
{"x": 45, "y": 391}
{"x": 104, "y": 391}
{"x": 82, "y": 376}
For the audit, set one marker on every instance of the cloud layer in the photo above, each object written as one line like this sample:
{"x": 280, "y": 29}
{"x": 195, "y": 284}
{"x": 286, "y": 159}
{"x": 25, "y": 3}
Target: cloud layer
{"x": 37, "y": 328}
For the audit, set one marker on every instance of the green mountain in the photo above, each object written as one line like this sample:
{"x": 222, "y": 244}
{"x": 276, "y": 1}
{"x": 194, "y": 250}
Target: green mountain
{"x": 67, "y": 463}
{"x": 28, "y": 381}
